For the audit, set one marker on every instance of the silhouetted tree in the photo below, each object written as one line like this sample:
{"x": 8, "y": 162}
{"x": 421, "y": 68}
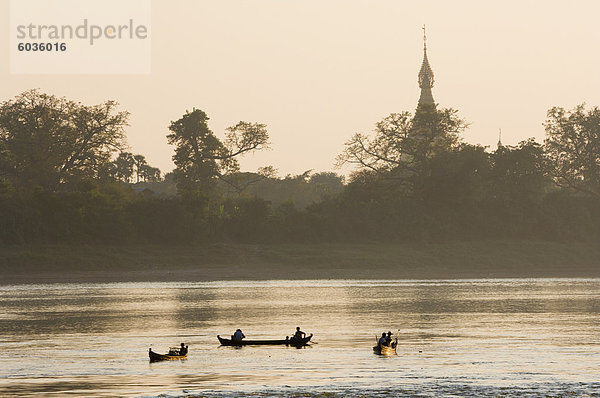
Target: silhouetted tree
{"x": 148, "y": 173}
{"x": 518, "y": 173}
{"x": 53, "y": 140}
{"x": 327, "y": 184}
{"x": 238, "y": 183}
{"x": 403, "y": 144}
{"x": 140, "y": 163}
{"x": 124, "y": 166}
{"x": 201, "y": 158}
{"x": 573, "y": 148}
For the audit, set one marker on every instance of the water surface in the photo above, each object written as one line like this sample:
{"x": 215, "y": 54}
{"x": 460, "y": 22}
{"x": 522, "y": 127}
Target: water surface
{"x": 512, "y": 337}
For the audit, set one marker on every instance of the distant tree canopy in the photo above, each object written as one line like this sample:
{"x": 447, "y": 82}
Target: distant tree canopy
{"x": 47, "y": 141}
{"x": 573, "y": 148}
{"x": 127, "y": 165}
{"x": 65, "y": 176}
{"x": 201, "y": 158}
{"x": 297, "y": 190}
{"x": 518, "y": 173}
{"x": 403, "y": 144}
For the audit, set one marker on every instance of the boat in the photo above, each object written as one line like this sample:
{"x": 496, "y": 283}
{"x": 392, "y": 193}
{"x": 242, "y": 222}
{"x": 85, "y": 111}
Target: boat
{"x": 171, "y": 356}
{"x": 385, "y": 350}
{"x": 287, "y": 341}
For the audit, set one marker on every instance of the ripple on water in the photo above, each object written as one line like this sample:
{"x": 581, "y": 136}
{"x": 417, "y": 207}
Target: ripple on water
{"x": 457, "y": 338}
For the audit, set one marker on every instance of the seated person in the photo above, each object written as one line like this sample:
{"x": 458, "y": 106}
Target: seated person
{"x": 388, "y": 339}
{"x": 238, "y": 335}
{"x": 183, "y": 350}
{"x": 382, "y": 340}
{"x": 299, "y": 334}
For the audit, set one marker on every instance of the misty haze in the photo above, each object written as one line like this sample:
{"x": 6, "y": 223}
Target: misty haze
{"x": 355, "y": 203}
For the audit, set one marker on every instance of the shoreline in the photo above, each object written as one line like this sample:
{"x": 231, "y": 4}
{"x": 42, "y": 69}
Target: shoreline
{"x": 422, "y": 261}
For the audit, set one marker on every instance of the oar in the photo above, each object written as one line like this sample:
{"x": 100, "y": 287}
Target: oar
{"x": 392, "y": 344}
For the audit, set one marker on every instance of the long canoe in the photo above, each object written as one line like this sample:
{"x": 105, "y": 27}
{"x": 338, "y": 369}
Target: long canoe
{"x": 163, "y": 357}
{"x": 287, "y": 341}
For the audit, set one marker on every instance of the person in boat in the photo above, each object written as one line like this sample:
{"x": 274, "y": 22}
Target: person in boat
{"x": 388, "y": 338}
{"x": 382, "y": 340}
{"x": 238, "y": 335}
{"x": 299, "y": 335}
{"x": 183, "y": 350}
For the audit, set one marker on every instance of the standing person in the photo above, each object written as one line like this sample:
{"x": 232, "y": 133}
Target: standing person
{"x": 238, "y": 335}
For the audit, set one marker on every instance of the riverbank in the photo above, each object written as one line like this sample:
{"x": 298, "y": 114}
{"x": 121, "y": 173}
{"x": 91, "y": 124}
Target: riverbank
{"x": 456, "y": 260}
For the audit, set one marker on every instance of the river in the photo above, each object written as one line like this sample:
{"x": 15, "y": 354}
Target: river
{"x": 487, "y": 337}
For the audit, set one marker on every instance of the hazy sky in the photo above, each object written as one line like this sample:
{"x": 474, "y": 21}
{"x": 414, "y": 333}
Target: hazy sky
{"x": 318, "y": 71}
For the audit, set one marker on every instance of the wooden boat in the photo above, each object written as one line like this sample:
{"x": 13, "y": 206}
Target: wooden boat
{"x": 171, "y": 356}
{"x": 292, "y": 342}
{"x": 385, "y": 350}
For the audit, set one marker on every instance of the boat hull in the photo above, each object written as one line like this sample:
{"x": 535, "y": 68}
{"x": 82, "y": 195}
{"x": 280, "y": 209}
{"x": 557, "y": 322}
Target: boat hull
{"x": 385, "y": 350}
{"x": 163, "y": 357}
{"x": 287, "y": 341}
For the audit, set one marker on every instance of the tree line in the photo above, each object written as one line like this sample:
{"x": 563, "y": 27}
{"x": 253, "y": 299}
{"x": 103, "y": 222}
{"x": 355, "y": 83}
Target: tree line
{"x": 66, "y": 175}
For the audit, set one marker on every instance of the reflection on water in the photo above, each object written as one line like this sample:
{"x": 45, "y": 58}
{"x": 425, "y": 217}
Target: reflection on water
{"x": 470, "y": 337}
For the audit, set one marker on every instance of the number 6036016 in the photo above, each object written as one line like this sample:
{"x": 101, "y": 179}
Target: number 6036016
{"x": 42, "y": 46}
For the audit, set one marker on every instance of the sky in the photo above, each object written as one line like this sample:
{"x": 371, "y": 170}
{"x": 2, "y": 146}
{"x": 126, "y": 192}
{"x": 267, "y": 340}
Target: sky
{"x": 316, "y": 72}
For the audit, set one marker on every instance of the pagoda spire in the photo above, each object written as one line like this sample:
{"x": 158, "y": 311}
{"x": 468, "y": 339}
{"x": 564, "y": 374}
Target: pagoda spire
{"x": 500, "y": 138}
{"x": 425, "y": 76}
